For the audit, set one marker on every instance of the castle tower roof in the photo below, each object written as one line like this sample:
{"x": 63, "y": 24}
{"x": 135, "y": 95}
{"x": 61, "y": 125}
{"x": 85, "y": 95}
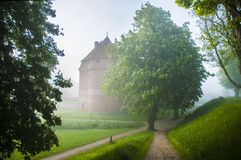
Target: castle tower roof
{"x": 99, "y": 51}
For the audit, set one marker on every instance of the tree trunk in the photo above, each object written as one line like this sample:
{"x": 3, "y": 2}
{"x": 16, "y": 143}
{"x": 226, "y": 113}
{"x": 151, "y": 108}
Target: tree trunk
{"x": 152, "y": 117}
{"x": 236, "y": 91}
{"x": 176, "y": 113}
{"x": 151, "y": 123}
{"x": 239, "y": 65}
{"x": 232, "y": 8}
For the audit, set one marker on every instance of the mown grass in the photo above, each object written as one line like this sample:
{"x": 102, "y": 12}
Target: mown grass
{"x": 80, "y": 114}
{"x": 75, "y": 133}
{"x": 132, "y": 147}
{"x": 215, "y": 134}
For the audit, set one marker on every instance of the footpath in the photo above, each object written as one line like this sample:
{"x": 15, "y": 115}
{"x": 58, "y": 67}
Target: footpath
{"x": 161, "y": 148}
{"x": 91, "y": 145}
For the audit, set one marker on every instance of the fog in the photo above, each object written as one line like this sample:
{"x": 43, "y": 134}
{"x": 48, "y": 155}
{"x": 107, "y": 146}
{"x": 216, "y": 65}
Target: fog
{"x": 85, "y": 22}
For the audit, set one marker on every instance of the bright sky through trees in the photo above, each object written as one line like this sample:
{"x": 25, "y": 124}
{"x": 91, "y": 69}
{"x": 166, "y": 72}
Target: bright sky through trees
{"x": 87, "y": 21}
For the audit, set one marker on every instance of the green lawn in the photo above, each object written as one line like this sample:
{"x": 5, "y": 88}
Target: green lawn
{"x": 214, "y": 134}
{"x": 132, "y": 147}
{"x": 74, "y": 133}
{"x": 80, "y": 114}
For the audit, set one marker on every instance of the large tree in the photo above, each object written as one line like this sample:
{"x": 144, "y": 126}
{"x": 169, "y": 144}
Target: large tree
{"x": 30, "y": 83}
{"x": 221, "y": 29}
{"x": 234, "y": 74}
{"x": 182, "y": 86}
{"x": 155, "y": 55}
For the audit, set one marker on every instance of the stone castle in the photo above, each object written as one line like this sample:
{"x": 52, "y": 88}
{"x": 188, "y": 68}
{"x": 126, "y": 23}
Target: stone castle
{"x": 91, "y": 72}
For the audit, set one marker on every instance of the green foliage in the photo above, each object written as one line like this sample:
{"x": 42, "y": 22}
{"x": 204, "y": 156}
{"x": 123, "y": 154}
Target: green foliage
{"x": 80, "y": 124}
{"x": 213, "y": 135}
{"x": 133, "y": 147}
{"x": 72, "y": 138}
{"x": 234, "y": 74}
{"x": 220, "y": 25}
{"x": 155, "y": 65}
{"x": 79, "y": 114}
{"x": 28, "y": 93}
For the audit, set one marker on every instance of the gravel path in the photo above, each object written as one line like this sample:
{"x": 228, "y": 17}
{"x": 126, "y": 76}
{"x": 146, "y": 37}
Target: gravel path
{"x": 161, "y": 148}
{"x": 91, "y": 145}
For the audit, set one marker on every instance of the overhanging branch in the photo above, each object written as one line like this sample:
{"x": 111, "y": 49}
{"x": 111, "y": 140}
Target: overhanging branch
{"x": 219, "y": 58}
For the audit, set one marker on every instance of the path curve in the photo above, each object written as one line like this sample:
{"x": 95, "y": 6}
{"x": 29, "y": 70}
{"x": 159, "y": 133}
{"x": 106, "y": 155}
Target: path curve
{"x": 91, "y": 145}
{"x": 161, "y": 148}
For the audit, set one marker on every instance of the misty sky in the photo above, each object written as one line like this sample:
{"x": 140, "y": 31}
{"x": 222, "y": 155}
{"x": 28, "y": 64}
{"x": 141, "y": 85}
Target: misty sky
{"x": 86, "y": 21}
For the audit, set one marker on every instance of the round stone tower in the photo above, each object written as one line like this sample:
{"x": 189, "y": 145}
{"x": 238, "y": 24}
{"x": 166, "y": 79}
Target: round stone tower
{"x": 91, "y": 72}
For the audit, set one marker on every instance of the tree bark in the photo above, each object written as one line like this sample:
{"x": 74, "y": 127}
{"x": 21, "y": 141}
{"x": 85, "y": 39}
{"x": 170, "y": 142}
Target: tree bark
{"x": 239, "y": 66}
{"x": 220, "y": 60}
{"x": 236, "y": 91}
{"x": 176, "y": 113}
{"x": 235, "y": 13}
{"x": 152, "y": 117}
{"x": 151, "y": 123}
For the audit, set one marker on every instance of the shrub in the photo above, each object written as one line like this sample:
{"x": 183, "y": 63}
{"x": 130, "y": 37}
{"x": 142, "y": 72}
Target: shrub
{"x": 78, "y": 124}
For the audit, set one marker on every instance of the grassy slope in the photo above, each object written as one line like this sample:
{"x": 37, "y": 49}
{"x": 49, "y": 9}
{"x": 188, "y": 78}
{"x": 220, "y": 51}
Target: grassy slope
{"x": 215, "y": 134}
{"x": 210, "y": 105}
{"x": 133, "y": 147}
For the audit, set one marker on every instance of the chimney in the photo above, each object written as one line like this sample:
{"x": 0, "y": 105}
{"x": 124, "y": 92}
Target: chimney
{"x": 96, "y": 44}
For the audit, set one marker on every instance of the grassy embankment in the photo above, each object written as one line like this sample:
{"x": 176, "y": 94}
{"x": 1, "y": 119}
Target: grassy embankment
{"x": 213, "y": 131}
{"x": 75, "y": 133}
{"x": 132, "y": 147}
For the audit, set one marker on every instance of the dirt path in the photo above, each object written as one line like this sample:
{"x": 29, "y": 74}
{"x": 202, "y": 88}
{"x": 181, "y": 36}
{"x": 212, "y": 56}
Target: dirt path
{"x": 91, "y": 145}
{"x": 161, "y": 148}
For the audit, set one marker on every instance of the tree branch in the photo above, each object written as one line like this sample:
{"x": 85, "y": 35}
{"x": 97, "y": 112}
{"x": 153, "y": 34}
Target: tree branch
{"x": 219, "y": 58}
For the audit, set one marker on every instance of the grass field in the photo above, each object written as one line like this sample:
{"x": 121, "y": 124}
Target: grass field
{"x": 133, "y": 147}
{"x": 80, "y": 114}
{"x": 213, "y": 132}
{"x": 75, "y": 133}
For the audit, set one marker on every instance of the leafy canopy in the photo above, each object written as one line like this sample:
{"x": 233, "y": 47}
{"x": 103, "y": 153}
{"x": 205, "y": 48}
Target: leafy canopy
{"x": 28, "y": 91}
{"x": 154, "y": 56}
{"x": 221, "y": 30}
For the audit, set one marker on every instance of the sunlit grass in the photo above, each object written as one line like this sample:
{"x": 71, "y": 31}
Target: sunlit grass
{"x": 213, "y": 135}
{"x": 132, "y": 147}
{"x": 210, "y": 105}
{"x": 72, "y": 138}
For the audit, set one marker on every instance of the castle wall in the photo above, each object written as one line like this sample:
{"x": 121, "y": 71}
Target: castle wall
{"x": 90, "y": 80}
{"x": 84, "y": 85}
{"x": 97, "y": 100}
